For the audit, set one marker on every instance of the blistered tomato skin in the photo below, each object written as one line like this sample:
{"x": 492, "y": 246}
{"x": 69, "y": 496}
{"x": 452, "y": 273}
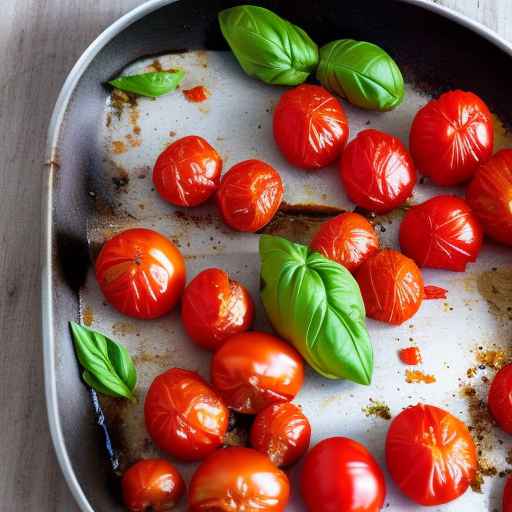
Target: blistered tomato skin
{"x": 450, "y": 136}
{"x": 249, "y": 196}
{"x": 141, "y": 273}
{"x": 500, "y": 398}
{"x": 441, "y": 233}
{"x": 377, "y": 171}
{"x": 347, "y": 239}
{"x": 187, "y": 173}
{"x": 184, "y": 416}
{"x": 430, "y": 454}
{"x": 215, "y": 307}
{"x": 507, "y": 496}
{"x": 310, "y": 127}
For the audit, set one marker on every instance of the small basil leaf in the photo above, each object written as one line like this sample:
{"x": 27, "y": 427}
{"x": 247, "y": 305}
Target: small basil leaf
{"x": 361, "y": 72}
{"x": 267, "y": 46}
{"x": 150, "y": 84}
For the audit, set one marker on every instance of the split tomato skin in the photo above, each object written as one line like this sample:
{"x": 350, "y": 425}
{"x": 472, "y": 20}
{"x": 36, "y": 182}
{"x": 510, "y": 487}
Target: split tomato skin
{"x": 500, "y": 398}
{"x": 187, "y": 173}
{"x": 310, "y": 127}
{"x": 184, "y": 416}
{"x": 215, "y": 307}
{"x": 430, "y": 454}
{"x": 141, "y": 273}
{"x": 507, "y": 496}
{"x": 450, "y": 136}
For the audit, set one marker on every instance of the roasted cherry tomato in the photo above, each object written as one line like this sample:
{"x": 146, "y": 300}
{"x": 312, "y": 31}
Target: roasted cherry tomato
{"x": 252, "y": 370}
{"x": 310, "y": 126}
{"x": 187, "y": 173}
{"x": 250, "y": 194}
{"x": 500, "y": 398}
{"x": 441, "y": 233}
{"x": 347, "y": 238}
{"x": 152, "y": 484}
{"x": 141, "y": 273}
{"x": 282, "y": 432}
{"x": 507, "y": 496}
{"x": 490, "y": 196}
{"x": 410, "y": 356}
{"x": 214, "y": 307}
{"x": 184, "y": 416}
{"x": 238, "y": 479}
{"x": 377, "y": 171}
{"x": 430, "y": 455}
{"x": 450, "y": 136}
{"x": 341, "y": 475}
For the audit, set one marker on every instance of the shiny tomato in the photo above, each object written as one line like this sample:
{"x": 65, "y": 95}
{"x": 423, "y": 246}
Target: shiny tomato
{"x": 187, "y": 173}
{"x": 282, "y": 432}
{"x": 500, "y": 398}
{"x": 507, "y": 496}
{"x": 341, "y": 475}
{"x": 441, "y": 233}
{"x": 310, "y": 126}
{"x": 347, "y": 238}
{"x": 450, "y": 136}
{"x": 214, "y": 307}
{"x": 141, "y": 273}
{"x": 410, "y": 356}
{"x": 430, "y": 455}
{"x": 152, "y": 484}
{"x": 238, "y": 479}
{"x": 252, "y": 370}
{"x": 184, "y": 416}
{"x": 490, "y": 196}
{"x": 250, "y": 194}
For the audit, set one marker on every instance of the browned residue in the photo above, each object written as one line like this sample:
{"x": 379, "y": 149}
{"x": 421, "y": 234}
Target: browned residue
{"x": 123, "y": 328}
{"x": 485, "y": 468}
{"x": 87, "y": 316}
{"x": 118, "y": 147}
{"x": 496, "y": 287}
{"x": 417, "y": 376}
{"x": 134, "y": 142}
{"x": 502, "y": 136}
{"x": 377, "y": 409}
{"x": 494, "y": 359}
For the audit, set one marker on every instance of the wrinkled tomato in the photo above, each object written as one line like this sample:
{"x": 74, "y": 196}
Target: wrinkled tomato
{"x": 507, "y": 496}
{"x": 184, "y": 416}
{"x": 500, "y": 398}
{"x": 141, "y": 273}
{"x": 310, "y": 126}
{"x": 430, "y": 455}
{"x": 450, "y": 136}
{"x": 410, "y": 356}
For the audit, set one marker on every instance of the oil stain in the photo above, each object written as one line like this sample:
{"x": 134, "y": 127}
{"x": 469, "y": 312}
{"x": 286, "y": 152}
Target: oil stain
{"x": 496, "y": 287}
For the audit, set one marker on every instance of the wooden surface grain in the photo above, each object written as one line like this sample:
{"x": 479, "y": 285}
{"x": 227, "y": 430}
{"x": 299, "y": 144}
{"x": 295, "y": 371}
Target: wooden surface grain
{"x": 39, "y": 42}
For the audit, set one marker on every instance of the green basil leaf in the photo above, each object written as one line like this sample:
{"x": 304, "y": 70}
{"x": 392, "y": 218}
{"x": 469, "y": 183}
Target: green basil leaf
{"x": 150, "y": 84}
{"x": 315, "y": 304}
{"x": 361, "y": 72}
{"x": 267, "y": 46}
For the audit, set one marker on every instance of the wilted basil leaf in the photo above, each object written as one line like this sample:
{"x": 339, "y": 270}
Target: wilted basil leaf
{"x": 152, "y": 84}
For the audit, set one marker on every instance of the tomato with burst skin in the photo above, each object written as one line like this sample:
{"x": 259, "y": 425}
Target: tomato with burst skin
{"x": 141, "y": 273}
{"x": 500, "y": 398}
{"x": 184, "y": 416}
{"x": 215, "y": 307}
{"x": 340, "y": 474}
{"x": 347, "y": 238}
{"x": 507, "y": 496}
{"x": 490, "y": 196}
{"x": 450, "y": 136}
{"x": 249, "y": 196}
{"x": 310, "y": 126}
{"x": 377, "y": 171}
{"x": 441, "y": 233}
{"x": 238, "y": 479}
{"x": 152, "y": 484}
{"x": 253, "y": 369}
{"x": 430, "y": 455}
{"x": 410, "y": 356}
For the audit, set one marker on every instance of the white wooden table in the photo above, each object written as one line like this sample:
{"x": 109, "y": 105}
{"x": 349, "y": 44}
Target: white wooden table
{"x": 39, "y": 42}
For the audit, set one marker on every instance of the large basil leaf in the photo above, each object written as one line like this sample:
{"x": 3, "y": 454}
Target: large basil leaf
{"x": 361, "y": 72}
{"x": 152, "y": 84}
{"x": 267, "y": 46}
{"x": 315, "y": 303}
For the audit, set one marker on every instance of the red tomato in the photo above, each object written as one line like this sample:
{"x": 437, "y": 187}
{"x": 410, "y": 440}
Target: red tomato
{"x": 187, "y": 173}
{"x": 430, "y": 455}
{"x": 347, "y": 238}
{"x": 282, "y": 432}
{"x": 253, "y": 369}
{"x": 377, "y": 172}
{"x": 152, "y": 484}
{"x": 214, "y": 307}
{"x": 450, "y": 136}
{"x": 410, "y": 356}
{"x": 197, "y": 94}
{"x": 141, "y": 273}
{"x": 184, "y": 416}
{"x": 441, "y": 233}
{"x": 238, "y": 479}
{"x": 500, "y": 398}
{"x": 490, "y": 196}
{"x": 341, "y": 475}
{"x": 310, "y": 126}
{"x": 250, "y": 194}
{"x": 507, "y": 496}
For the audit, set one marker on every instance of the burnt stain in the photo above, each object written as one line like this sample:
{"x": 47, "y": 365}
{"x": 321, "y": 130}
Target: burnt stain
{"x": 72, "y": 259}
{"x": 496, "y": 287}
